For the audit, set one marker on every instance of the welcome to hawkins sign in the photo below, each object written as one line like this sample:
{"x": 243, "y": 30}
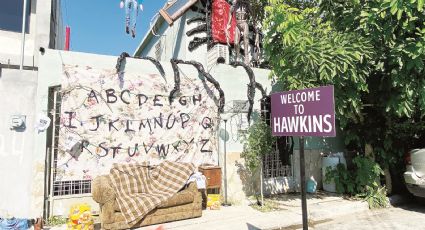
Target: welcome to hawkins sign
{"x": 308, "y": 112}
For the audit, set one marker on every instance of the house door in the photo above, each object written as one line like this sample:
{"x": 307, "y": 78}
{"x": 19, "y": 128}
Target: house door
{"x": 60, "y": 194}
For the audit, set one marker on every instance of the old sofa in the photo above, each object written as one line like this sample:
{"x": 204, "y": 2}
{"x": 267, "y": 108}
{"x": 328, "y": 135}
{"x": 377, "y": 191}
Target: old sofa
{"x": 184, "y": 205}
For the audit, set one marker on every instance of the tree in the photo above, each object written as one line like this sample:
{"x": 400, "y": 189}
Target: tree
{"x": 258, "y": 143}
{"x": 372, "y": 51}
{"x": 396, "y": 83}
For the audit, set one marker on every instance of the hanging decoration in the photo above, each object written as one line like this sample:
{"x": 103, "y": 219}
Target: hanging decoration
{"x": 203, "y": 19}
{"x": 220, "y": 17}
{"x": 131, "y": 13}
{"x": 229, "y": 22}
{"x": 240, "y": 8}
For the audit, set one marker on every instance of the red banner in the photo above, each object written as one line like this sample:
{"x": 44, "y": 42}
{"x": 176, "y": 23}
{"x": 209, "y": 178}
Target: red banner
{"x": 219, "y": 16}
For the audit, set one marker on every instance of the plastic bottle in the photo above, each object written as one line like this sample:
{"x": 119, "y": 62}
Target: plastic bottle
{"x": 311, "y": 185}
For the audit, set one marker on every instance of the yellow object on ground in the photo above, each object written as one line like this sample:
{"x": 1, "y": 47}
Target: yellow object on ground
{"x": 80, "y": 218}
{"x": 213, "y": 201}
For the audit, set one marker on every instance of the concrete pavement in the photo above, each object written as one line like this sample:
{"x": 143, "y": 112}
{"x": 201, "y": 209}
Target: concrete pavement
{"x": 321, "y": 209}
{"x": 406, "y": 216}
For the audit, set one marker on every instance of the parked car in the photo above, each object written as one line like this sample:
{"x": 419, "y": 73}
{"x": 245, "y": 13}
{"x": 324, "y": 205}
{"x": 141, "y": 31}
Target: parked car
{"x": 415, "y": 172}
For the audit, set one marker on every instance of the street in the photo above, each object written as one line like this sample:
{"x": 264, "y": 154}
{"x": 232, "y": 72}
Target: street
{"x": 407, "y": 216}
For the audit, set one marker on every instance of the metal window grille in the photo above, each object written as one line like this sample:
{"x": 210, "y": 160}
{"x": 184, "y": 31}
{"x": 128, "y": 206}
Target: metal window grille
{"x": 63, "y": 188}
{"x": 273, "y": 167}
{"x": 59, "y": 187}
{"x": 272, "y": 164}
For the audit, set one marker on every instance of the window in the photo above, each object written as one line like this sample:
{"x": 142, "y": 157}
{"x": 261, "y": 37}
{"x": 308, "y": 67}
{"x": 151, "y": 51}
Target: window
{"x": 11, "y": 15}
{"x": 158, "y": 51}
{"x": 173, "y": 10}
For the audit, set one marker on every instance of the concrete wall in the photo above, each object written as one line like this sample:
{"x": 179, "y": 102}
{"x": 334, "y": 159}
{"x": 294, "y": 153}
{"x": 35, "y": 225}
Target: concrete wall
{"x": 230, "y": 79}
{"x": 234, "y": 82}
{"x": 18, "y": 90}
{"x": 315, "y": 148}
{"x": 26, "y": 158}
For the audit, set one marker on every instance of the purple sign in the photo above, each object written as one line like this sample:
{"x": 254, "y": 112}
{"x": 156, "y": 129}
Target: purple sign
{"x": 308, "y": 112}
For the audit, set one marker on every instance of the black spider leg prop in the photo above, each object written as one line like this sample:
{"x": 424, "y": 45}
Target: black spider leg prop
{"x": 197, "y": 9}
{"x": 264, "y": 98}
{"x": 204, "y": 2}
{"x": 208, "y": 21}
{"x": 121, "y": 60}
{"x": 261, "y": 88}
{"x": 156, "y": 63}
{"x": 196, "y": 42}
{"x": 209, "y": 78}
{"x": 176, "y": 80}
{"x": 197, "y": 30}
{"x": 196, "y": 19}
{"x": 205, "y": 27}
{"x": 251, "y": 86}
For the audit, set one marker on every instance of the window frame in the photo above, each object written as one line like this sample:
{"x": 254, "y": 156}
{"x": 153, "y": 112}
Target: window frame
{"x": 170, "y": 19}
{"x": 28, "y": 16}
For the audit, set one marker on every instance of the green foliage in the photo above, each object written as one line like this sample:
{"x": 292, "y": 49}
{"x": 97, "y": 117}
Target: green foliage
{"x": 258, "y": 143}
{"x": 376, "y": 198}
{"x": 256, "y": 11}
{"x": 396, "y": 29}
{"x": 306, "y": 51}
{"x": 343, "y": 179}
{"x": 372, "y": 51}
{"x": 56, "y": 220}
{"x": 361, "y": 182}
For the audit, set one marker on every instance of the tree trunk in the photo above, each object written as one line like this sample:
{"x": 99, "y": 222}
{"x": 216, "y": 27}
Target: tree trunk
{"x": 261, "y": 183}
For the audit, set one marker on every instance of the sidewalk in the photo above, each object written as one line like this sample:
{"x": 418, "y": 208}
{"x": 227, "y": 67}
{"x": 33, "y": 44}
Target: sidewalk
{"x": 321, "y": 208}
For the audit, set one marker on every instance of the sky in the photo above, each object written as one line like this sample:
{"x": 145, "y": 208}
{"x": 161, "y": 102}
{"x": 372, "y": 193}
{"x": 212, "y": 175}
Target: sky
{"x": 98, "y": 26}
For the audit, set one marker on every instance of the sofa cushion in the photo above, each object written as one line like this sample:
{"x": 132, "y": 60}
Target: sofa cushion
{"x": 172, "y": 213}
{"x": 183, "y": 197}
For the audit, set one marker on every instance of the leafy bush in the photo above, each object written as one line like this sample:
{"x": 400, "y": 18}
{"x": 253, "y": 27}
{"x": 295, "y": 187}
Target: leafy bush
{"x": 258, "y": 143}
{"x": 343, "y": 179}
{"x": 361, "y": 182}
{"x": 373, "y": 52}
{"x": 56, "y": 220}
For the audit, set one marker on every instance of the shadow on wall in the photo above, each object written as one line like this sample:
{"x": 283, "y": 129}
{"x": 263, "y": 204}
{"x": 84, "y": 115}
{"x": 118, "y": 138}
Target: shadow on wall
{"x": 278, "y": 185}
{"x": 250, "y": 180}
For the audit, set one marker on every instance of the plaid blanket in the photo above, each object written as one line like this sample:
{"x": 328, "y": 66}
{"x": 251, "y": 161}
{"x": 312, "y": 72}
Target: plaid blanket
{"x": 141, "y": 188}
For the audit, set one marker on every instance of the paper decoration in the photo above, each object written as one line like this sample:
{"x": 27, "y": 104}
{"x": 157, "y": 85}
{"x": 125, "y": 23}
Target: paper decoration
{"x": 105, "y": 120}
